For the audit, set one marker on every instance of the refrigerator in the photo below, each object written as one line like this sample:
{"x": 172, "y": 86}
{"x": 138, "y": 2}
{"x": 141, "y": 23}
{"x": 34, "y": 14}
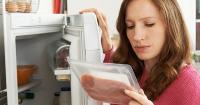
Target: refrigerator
{"x": 3, "y": 95}
{"x": 30, "y": 39}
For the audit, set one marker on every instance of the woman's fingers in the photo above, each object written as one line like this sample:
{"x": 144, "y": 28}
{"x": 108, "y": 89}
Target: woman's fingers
{"x": 88, "y": 10}
{"x": 142, "y": 92}
{"x": 142, "y": 99}
{"x": 102, "y": 21}
{"x": 134, "y": 103}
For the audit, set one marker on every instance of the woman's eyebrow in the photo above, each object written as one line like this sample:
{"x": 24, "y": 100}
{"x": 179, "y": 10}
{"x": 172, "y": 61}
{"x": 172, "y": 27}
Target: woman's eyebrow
{"x": 131, "y": 20}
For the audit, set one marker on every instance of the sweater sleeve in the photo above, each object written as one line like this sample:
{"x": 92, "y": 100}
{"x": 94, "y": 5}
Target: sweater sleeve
{"x": 108, "y": 58}
{"x": 108, "y": 55}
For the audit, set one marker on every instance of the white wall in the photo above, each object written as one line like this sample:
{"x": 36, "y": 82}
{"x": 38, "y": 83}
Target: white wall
{"x": 189, "y": 11}
{"x": 46, "y": 6}
{"x": 109, "y": 7}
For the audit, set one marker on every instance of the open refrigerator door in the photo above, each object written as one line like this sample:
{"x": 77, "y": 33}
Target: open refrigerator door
{"x": 83, "y": 33}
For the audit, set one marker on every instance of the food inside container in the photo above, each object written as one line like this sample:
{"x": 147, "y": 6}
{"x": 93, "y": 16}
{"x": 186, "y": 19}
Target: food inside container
{"x": 106, "y": 82}
{"x": 58, "y": 54}
{"x": 11, "y": 6}
{"x": 22, "y": 6}
{"x": 24, "y": 73}
{"x": 61, "y": 58}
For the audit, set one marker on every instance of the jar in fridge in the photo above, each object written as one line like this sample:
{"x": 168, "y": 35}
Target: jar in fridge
{"x": 62, "y": 56}
{"x": 58, "y": 52}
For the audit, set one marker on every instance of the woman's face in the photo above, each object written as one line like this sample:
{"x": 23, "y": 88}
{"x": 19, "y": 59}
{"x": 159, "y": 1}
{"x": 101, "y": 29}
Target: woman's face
{"x": 145, "y": 29}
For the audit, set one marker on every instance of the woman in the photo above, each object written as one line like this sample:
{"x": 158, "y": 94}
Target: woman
{"x": 154, "y": 41}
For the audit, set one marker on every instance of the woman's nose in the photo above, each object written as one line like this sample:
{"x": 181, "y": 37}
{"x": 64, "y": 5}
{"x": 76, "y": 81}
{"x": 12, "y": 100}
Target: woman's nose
{"x": 139, "y": 34}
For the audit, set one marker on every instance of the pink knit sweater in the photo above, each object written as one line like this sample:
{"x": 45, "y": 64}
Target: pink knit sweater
{"x": 184, "y": 90}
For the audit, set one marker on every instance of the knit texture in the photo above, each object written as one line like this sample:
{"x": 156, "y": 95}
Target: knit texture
{"x": 108, "y": 55}
{"x": 185, "y": 90}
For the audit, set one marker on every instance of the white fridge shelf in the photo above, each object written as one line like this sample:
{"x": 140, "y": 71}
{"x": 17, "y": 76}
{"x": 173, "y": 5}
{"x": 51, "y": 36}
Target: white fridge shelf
{"x": 32, "y": 23}
{"x": 62, "y": 72}
{"x": 32, "y": 84}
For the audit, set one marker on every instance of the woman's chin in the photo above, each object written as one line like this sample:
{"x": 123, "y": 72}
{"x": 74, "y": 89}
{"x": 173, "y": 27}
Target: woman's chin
{"x": 143, "y": 57}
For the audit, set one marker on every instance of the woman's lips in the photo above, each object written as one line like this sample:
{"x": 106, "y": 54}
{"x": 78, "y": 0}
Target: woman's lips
{"x": 141, "y": 49}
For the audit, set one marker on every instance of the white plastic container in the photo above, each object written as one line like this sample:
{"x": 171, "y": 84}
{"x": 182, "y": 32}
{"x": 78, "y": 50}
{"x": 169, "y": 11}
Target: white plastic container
{"x": 112, "y": 71}
{"x": 106, "y": 82}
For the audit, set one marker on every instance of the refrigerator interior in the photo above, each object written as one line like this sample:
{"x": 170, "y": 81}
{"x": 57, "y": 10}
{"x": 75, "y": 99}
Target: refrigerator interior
{"x": 33, "y": 50}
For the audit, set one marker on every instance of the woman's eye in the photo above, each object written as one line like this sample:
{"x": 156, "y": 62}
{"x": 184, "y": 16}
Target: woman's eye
{"x": 150, "y": 24}
{"x": 130, "y": 27}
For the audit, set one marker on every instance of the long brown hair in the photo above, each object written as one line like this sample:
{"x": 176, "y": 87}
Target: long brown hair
{"x": 175, "y": 51}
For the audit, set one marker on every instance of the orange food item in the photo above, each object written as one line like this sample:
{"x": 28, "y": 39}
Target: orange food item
{"x": 24, "y": 73}
{"x": 105, "y": 90}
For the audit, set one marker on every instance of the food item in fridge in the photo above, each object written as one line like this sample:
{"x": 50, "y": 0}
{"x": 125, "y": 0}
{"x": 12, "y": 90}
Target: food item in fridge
{"x": 62, "y": 58}
{"x": 24, "y": 73}
{"x": 21, "y": 5}
{"x": 11, "y": 6}
{"x": 58, "y": 54}
{"x": 105, "y": 90}
{"x": 28, "y": 8}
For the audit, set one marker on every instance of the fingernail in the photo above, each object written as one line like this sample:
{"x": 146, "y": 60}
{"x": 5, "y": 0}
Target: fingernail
{"x": 127, "y": 91}
{"x": 141, "y": 92}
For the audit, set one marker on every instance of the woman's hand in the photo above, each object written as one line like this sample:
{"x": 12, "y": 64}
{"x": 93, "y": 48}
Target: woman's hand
{"x": 105, "y": 40}
{"x": 138, "y": 98}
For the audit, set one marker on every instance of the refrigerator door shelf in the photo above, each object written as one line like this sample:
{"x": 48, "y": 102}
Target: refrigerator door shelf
{"x": 62, "y": 72}
{"x": 62, "y": 75}
{"x": 20, "y": 20}
{"x": 30, "y": 24}
{"x": 33, "y": 83}
{"x": 83, "y": 33}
